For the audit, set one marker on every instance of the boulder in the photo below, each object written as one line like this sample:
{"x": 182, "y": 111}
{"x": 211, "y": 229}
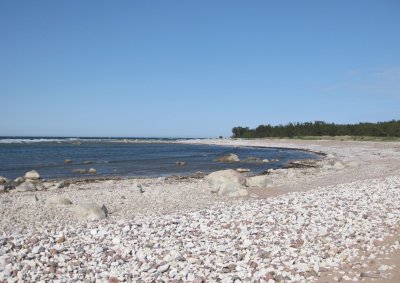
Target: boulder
{"x": 25, "y": 187}
{"x": 59, "y": 200}
{"x": 19, "y": 181}
{"x": 32, "y": 175}
{"x": 89, "y": 211}
{"x": 225, "y": 181}
{"x": 231, "y": 157}
{"x": 3, "y": 180}
{"x": 262, "y": 181}
{"x": 92, "y": 171}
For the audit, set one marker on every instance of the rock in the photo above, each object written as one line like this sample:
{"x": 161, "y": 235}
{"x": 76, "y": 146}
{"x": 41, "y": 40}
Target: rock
{"x": 2, "y": 188}
{"x": 3, "y": 180}
{"x": 89, "y": 211}
{"x": 225, "y": 181}
{"x": 59, "y": 200}
{"x": 32, "y": 175}
{"x": 338, "y": 165}
{"x": 40, "y": 187}
{"x": 163, "y": 268}
{"x": 61, "y": 184}
{"x": 242, "y": 170}
{"x": 26, "y": 187}
{"x": 254, "y": 159}
{"x": 262, "y": 181}
{"x": 265, "y": 161}
{"x": 231, "y": 157}
{"x": 137, "y": 188}
{"x": 19, "y": 181}
{"x": 79, "y": 171}
{"x": 37, "y": 249}
{"x": 67, "y": 161}
{"x": 239, "y": 193}
{"x": 180, "y": 163}
{"x": 92, "y": 171}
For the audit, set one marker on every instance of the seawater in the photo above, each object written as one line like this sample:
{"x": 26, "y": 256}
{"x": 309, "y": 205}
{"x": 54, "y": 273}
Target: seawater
{"x": 114, "y": 157}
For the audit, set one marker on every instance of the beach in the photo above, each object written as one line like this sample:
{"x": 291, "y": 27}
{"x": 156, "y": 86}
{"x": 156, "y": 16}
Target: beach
{"x": 329, "y": 220}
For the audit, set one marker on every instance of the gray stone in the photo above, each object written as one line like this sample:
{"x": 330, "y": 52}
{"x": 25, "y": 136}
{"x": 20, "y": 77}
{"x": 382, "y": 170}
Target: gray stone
{"x": 89, "y": 211}
{"x": 26, "y": 187}
{"x": 32, "y": 175}
{"x": 225, "y": 181}
{"x": 79, "y": 171}
{"x": 92, "y": 171}
{"x": 19, "y": 181}
{"x": 262, "y": 181}
{"x": 231, "y": 157}
{"x": 3, "y": 180}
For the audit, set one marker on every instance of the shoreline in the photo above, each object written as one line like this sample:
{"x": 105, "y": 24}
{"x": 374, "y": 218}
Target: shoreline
{"x": 362, "y": 176}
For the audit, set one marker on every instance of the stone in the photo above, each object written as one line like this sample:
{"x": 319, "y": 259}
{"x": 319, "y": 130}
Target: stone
{"x": 338, "y": 165}
{"x": 137, "y": 188}
{"x": 3, "y": 180}
{"x": 180, "y": 163}
{"x": 253, "y": 159}
{"x": 25, "y": 187}
{"x": 19, "y": 181}
{"x": 238, "y": 193}
{"x": 163, "y": 268}
{"x": 242, "y": 170}
{"x": 92, "y": 171}
{"x": 32, "y": 175}
{"x": 265, "y": 161}
{"x": 67, "y": 161}
{"x": 225, "y": 181}
{"x": 262, "y": 181}
{"x": 79, "y": 171}
{"x": 59, "y": 200}
{"x": 89, "y": 211}
{"x": 231, "y": 157}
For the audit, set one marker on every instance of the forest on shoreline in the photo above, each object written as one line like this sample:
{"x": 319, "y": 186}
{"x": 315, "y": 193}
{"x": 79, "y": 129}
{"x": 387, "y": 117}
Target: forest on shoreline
{"x": 320, "y": 128}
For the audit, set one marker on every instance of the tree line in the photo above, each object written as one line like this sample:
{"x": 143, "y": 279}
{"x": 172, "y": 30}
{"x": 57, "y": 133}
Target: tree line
{"x": 320, "y": 128}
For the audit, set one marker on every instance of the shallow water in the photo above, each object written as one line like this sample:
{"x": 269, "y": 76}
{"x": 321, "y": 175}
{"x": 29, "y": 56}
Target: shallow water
{"x": 145, "y": 159}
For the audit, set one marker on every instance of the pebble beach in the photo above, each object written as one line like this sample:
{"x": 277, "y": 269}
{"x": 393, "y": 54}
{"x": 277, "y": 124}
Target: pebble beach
{"x": 334, "y": 221}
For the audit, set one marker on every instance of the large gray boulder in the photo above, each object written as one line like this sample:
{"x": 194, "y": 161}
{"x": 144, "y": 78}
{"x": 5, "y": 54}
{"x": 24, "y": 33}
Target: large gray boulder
{"x": 90, "y": 211}
{"x": 32, "y": 175}
{"x": 26, "y": 187}
{"x": 231, "y": 157}
{"x": 226, "y": 182}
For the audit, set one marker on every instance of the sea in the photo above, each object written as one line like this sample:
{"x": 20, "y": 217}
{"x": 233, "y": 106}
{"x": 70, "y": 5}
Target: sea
{"x": 129, "y": 157}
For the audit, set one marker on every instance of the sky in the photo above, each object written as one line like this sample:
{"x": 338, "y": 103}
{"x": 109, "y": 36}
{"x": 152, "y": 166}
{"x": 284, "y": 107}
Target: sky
{"x": 194, "y": 68}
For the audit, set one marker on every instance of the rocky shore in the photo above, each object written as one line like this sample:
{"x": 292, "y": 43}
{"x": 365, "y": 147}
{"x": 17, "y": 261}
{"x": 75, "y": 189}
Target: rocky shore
{"x": 331, "y": 220}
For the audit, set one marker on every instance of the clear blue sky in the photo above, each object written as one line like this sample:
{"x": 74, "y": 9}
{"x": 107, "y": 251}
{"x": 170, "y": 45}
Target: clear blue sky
{"x": 194, "y": 68}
